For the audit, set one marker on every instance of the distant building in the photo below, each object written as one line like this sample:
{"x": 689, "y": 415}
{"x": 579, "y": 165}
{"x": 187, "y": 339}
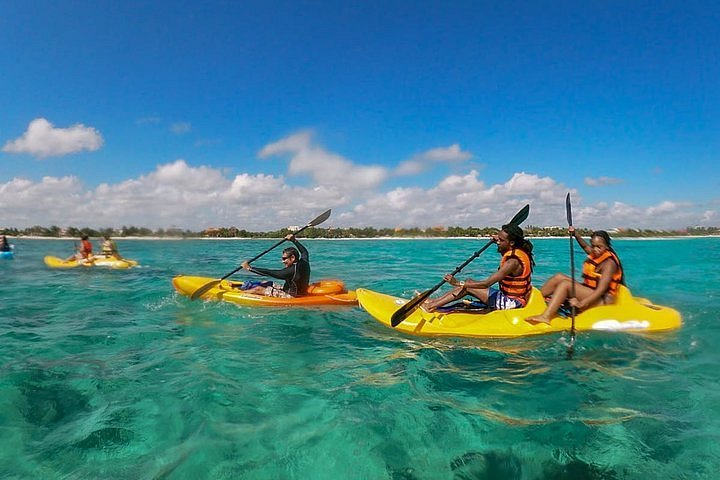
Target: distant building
{"x": 293, "y": 228}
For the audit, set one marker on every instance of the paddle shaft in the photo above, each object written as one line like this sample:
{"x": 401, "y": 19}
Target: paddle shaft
{"x": 568, "y": 208}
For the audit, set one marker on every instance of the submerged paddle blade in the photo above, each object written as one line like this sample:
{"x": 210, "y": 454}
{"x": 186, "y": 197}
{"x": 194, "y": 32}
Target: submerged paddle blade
{"x": 568, "y": 209}
{"x": 204, "y": 289}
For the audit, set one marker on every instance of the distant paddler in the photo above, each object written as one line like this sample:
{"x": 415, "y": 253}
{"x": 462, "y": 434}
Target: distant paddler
{"x": 83, "y": 253}
{"x": 5, "y": 245}
{"x": 109, "y": 249}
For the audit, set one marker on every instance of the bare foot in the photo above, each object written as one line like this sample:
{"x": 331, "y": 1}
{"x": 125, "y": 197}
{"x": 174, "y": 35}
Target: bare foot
{"x": 427, "y": 307}
{"x": 538, "y": 319}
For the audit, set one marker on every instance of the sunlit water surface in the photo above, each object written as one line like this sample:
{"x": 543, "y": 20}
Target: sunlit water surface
{"x": 111, "y": 374}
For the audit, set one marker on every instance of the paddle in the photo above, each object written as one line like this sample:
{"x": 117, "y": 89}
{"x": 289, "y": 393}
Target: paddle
{"x": 403, "y": 312}
{"x": 568, "y": 209}
{"x": 213, "y": 283}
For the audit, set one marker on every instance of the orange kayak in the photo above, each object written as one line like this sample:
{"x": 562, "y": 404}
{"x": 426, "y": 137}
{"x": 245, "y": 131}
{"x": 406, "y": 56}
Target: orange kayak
{"x": 324, "y": 292}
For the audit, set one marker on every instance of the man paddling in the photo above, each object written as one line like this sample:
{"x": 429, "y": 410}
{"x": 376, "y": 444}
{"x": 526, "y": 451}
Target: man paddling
{"x": 513, "y": 276}
{"x": 296, "y": 273}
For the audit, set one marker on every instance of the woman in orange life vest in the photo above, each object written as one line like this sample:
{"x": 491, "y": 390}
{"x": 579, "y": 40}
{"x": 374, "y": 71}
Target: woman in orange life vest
{"x": 84, "y": 252}
{"x": 602, "y": 273}
{"x": 512, "y": 277}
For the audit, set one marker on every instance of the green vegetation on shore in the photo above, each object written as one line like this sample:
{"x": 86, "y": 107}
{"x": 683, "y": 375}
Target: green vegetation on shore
{"x": 367, "y": 232}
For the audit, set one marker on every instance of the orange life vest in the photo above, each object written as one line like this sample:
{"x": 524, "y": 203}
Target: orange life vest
{"x": 517, "y": 286}
{"x": 85, "y": 248}
{"x": 591, "y": 276}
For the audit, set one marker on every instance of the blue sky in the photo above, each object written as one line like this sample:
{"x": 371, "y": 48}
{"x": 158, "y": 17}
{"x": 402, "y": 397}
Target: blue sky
{"x": 263, "y": 114}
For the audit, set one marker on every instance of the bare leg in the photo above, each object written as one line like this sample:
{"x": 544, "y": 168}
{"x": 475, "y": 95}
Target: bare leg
{"x": 256, "y": 290}
{"x": 552, "y": 283}
{"x": 454, "y": 294}
{"x": 561, "y": 293}
{"x": 451, "y": 296}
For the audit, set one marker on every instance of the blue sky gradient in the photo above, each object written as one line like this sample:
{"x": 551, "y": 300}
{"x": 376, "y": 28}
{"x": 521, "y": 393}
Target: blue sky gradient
{"x": 391, "y": 113}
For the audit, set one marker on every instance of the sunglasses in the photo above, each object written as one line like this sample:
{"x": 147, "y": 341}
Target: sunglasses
{"x": 284, "y": 258}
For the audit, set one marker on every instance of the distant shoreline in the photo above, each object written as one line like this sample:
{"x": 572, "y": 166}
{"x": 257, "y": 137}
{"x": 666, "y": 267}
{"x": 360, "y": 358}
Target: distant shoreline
{"x": 212, "y": 239}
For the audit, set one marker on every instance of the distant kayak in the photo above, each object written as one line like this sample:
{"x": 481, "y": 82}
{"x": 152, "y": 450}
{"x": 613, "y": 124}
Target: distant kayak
{"x": 324, "y": 292}
{"x": 631, "y": 314}
{"x": 97, "y": 261}
{"x": 7, "y": 255}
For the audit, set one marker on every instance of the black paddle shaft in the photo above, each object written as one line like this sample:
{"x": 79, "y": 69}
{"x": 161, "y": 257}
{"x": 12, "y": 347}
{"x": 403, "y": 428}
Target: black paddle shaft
{"x": 568, "y": 209}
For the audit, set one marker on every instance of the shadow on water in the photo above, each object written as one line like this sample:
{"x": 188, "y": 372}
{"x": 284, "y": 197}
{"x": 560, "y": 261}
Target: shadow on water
{"x": 47, "y": 398}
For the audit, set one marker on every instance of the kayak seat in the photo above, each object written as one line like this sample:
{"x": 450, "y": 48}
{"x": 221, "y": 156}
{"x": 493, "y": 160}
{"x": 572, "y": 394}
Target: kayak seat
{"x": 465, "y": 306}
{"x": 326, "y": 287}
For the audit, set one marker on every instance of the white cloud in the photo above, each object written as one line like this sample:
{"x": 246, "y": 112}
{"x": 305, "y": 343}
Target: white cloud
{"x": 197, "y": 197}
{"x": 327, "y": 169}
{"x": 180, "y": 128}
{"x": 464, "y": 200}
{"x": 601, "y": 181}
{"x": 42, "y": 140}
{"x": 173, "y": 194}
{"x": 422, "y": 161}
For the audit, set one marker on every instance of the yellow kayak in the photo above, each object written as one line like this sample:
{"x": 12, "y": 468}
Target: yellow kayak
{"x": 630, "y": 314}
{"x": 324, "y": 292}
{"x": 97, "y": 261}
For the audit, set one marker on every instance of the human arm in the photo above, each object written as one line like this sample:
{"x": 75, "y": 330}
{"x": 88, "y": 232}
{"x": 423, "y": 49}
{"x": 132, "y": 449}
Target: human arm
{"x": 304, "y": 254}
{"x": 507, "y": 269}
{"x": 281, "y": 274}
{"x": 583, "y": 244}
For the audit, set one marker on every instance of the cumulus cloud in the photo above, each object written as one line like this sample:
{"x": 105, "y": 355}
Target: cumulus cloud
{"x": 173, "y": 194}
{"x": 422, "y": 161}
{"x": 664, "y": 215}
{"x": 601, "y": 181}
{"x": 327, "y": 169}
{"x": 42, "y": 139}
{"x": 196, "y": 197}
{"x": 464, "y": 200}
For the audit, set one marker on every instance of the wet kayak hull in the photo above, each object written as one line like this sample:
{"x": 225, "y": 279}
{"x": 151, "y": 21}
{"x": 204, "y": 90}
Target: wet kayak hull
{"x": 98, "y": 261}
{"x": 229, "y": 291}
{"x": 629, "y": 313}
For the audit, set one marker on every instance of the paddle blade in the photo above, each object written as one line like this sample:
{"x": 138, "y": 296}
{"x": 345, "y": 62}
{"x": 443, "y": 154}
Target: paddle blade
{"x": 408, "y": 308}
{"x": 568, "y": 209}
{"x": 520, "y": 216}
{"x": 320, "y": 218}
{"x": 204, "y": 289}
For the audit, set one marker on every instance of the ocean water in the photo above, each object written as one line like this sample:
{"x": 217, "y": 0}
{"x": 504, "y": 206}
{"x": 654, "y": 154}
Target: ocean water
{"x": 110, "y": 374}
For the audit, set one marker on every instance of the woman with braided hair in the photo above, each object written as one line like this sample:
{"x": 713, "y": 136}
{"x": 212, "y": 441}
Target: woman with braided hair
{"x": 602, "y": 273}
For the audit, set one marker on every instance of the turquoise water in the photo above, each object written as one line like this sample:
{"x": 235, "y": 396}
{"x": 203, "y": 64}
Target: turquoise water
{"x": 110, "y": 374}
